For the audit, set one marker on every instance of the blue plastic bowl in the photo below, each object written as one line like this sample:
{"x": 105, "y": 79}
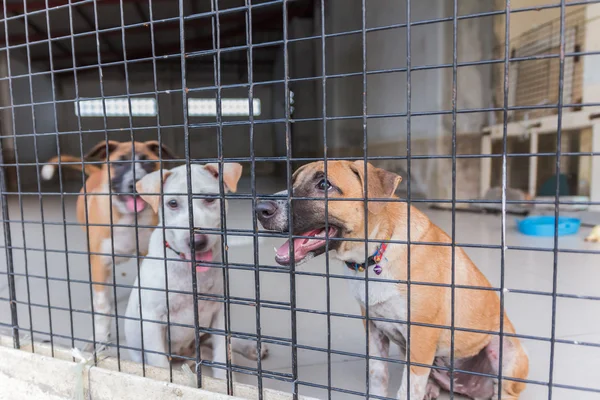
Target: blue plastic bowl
{"x": 544, "y": 226}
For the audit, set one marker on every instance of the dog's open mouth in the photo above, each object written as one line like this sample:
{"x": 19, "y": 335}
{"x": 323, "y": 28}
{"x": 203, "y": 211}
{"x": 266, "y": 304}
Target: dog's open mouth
{"x": 134, "y": 203}
{"x": 313, "y": 243}
{"x": 201, "y": 258}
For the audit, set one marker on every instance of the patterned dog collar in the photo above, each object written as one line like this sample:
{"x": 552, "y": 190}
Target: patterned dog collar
{"x": 180, "y": 254}
{"x": 373, "y": 260}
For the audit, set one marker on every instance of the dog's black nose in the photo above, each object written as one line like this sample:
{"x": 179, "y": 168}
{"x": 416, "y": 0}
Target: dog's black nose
{"x": 266, "y": 209}
{"x": 131, "y": 188}
{"x": 199, "y": 242}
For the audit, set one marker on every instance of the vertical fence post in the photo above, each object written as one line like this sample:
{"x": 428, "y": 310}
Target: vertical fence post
{"x": 10, "y": 267}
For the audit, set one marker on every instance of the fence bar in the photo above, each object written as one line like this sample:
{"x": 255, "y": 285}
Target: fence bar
{"x": 289, "y": 141}
{"x": 162, "y": 205}
{"x": 224, "y": 248}
{"x": 409, "y": 199}
{"x": 322, "y": 20}
{"x": 10, "y": 268}
{"x": 19, "y": 187}
{"x": 189, "y": 185}
{"x": 561, "y": 83}
{"x": 60, "y": 181}
{"x": 255, "y": 228}
{"x": 453, "y": 204}
{"x": 506, "y": 86}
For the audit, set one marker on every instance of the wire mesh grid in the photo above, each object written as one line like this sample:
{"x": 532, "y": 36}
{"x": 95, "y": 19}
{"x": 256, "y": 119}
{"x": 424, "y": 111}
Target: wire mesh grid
{"x": 125, "y": 74}
{"x": 535, "y": 80}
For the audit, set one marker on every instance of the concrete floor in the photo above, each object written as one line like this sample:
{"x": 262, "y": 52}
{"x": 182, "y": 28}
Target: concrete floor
{"x": 576, "y": 319}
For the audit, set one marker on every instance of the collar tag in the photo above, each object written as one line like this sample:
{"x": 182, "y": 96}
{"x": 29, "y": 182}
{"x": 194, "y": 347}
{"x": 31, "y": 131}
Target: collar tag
{"x": 375, "y": 259}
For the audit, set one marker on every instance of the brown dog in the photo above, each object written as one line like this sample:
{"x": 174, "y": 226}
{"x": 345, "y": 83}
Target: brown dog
{"x": 127, "y": 208}
{"x": 429, "y": 305}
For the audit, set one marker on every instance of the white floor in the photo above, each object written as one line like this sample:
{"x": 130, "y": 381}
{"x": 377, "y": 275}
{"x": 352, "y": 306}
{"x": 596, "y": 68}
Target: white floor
{"x": 576, "y": 319}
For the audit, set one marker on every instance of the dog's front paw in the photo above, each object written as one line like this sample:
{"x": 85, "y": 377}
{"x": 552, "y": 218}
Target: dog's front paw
{"x": 419, "y": 388}
{"x": 432, "y": 391}
{"x": 250, "y": 351}
{"x": 206, "y": 352}
{"x": 100, "y": 345}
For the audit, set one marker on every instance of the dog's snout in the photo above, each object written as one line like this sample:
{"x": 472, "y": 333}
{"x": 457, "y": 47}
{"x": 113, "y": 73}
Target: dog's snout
{"x": 198, "y": 242}
{"x": 266, "y": 209}
{"x": 272, "y": 214}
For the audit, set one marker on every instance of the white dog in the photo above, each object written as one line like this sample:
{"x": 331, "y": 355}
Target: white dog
{"x": 178, "y": 243}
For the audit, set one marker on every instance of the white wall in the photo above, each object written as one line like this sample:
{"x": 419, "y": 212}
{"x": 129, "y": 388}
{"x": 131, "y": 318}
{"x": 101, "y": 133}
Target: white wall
{"x": 343, "y": 55}
{"x": 385, "y": 49}
{"x": 431, "y": 89}
{"x": 306, "y": 137}
{"x": 475, "y": 42}
{"x": 591, "y": 78}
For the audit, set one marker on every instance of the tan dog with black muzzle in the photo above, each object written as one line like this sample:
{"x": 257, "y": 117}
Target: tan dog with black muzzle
{"x": 111, "y": 230}
{"x": 429, "y": 305}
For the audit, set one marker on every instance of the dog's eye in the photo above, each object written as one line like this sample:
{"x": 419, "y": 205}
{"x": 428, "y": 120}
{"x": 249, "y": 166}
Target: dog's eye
{"x": 209, "y": 201}
{"x": 173, "y": 204}
{"x": 323, "y": 185}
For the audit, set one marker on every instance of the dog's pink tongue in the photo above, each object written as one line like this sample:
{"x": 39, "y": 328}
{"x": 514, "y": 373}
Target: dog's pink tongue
{"x": 302, "y": 246}
{"x": 205, "y": 256}
{"x": 135, "y": 203}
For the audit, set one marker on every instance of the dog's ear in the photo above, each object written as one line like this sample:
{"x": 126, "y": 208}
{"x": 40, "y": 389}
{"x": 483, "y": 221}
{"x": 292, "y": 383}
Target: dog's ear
{"x": 98, "y": 152}
{"x": 149, "y": 187}
{"x": 297, "y": 172}
{"x": 381, "y": 184}
{"x": 231, "y": 174}
{"x": 160, "y": 150}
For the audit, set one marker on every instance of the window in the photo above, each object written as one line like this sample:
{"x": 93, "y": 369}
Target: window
{"x": 229, "y": 107}
{"x": 140, "y": 107}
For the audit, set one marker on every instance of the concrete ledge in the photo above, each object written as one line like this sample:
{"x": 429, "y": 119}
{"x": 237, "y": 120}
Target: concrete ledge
{"x": 30, "y": 376}
{"x": 39, "y": 376}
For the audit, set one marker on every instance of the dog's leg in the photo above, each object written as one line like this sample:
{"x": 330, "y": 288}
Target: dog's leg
{"x": 432, "y": 391}
{"x": 219, "y": 346}
{"x": 133, "y": 329}
{"x": 418, "y": 385}
{"x": 423, "y": 345}
{"x": 155, "y": 348}
{"x": 102, "y": 297}
{"x": 379, "y": 346}
{"x": 249, "y": 349}
{"x": 515, "y": 365}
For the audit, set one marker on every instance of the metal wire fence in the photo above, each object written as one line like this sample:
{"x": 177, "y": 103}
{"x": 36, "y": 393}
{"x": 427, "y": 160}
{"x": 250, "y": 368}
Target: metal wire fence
{"x": 48, "y": 68}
